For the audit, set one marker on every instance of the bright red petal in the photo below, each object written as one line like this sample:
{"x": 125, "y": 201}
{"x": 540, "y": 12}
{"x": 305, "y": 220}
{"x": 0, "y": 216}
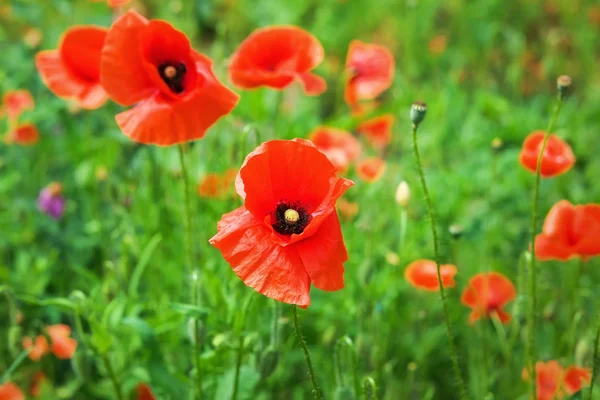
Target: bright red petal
{"x": 24, "y": 135}
{"x": 371, "y": 67}
{"x": 17, "y": 101}
{"x": 547, "y": 248}
{"x": 275, "y": 271}
{"x": 144, "y": 392}
{"x": 558, "y": 157}
{"x": 123, "y": 75}
{"x": 378, "y": 130}
{"x": 163, "y": 121}
{"x": 80, "y": 50}
{"x": 422, "y": 274}
{"x": 10, "y": 391}
{"x": 314, "y": 85}
{"x": 371, "y": 169}
{"x": 575, "y": 378}
{"x": 324, "y": 254}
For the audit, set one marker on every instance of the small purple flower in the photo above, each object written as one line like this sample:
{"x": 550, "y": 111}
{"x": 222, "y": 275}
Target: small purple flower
{"x": 51, "y": 201}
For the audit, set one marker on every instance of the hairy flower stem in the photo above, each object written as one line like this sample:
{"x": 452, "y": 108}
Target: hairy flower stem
{"x": 311, "y": 372}
{"x": 531, "y": 352}
{"x": 453, "y": 353}
{"x": 194, "y": 294}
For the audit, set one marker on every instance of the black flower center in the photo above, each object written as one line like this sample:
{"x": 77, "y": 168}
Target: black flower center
{"x": 290, "y": 218}
{"x": 172, "y": 74}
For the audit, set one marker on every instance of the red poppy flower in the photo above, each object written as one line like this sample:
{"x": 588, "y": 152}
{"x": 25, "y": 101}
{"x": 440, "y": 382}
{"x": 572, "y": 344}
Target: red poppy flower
{"x": 37, "y": 381}
{"x": 215, "y": 185}
{"x": 558, "y": 157}
{"x": 275, "y": 57}
{"x": 14, "y": 102}
{"x": 10, "y": 391}
{"x": 144, "y": 392}
{"x": 287, "y": 234}
{"x": 575, "y": 378}
{"x": 548, "y": 376}
{"x": 347, "y": 209}
{"x": 152, "y": 65}
{"x": 340, "y": 146}
{"x": 62, "y": 345}
{"x": 23, "y": 134}
{"x": 378, "y": 130}
{"x": 569, "y": 231}
{"x": 422, "y": 274}
{"x": 38, "y": 348}
{"x": 371, "y": 169}
{"x": 371, "y": 71}
{"x": 73, "y": 71}
{"x": 113, "y": 3}
{"x": 487, "y": 294}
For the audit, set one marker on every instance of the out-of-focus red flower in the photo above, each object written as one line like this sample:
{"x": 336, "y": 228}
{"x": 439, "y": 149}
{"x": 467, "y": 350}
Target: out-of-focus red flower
{"x": 359, "y": 110}
{"x": 437, "y": 44}
{"x": 73, "y": 71}
{"x": 378, "y": 130}
{"x": 275, "y": 57}
{"x": 23, "y": 134}
{"x": 340, "y": 146}
{"x": 558, "y": 157}
{"x": 347, "y": 209}
{"x": 575, "y": 378}
{"x": 14, "y": 102}
{"x": 569, "y": 231}
{"x": 113, "y": 3}
{"x": 215, "y": 185}
{"x": 422, "y": 274}
{"x": 287, "y": 235}
{"x": 144, "y": 392}
{"x": 371, "y": 169}
{"x": 63, "y": 346}
{"x": 39, "y": 347}
{"x": 10, "y": 391}
{"x": 487, "y": 294}
{"x": 371, "y": 71}
{"x": 36, "y": 382}
{"x": 152, "y": 65}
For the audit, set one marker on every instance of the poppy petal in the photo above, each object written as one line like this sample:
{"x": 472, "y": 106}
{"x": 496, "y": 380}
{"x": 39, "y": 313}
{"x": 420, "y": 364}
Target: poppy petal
{"x": 371, "y": 68}
{"x": 314, "y": 85}
{"x": 547, "y": 248}
{"x": 80, "y": 49}
{"x": 275, "y": 271}
{"x": 10, "y": 391}
{"x": 575, "y": 378}
{"x": 17, "y": 101}
{"x": 123, "y": 75}
{"x": 162, "y": 121}
{"x": 422, "y": 274}
{"x": 324, "y": 254}
{"x": 144, "y": 392}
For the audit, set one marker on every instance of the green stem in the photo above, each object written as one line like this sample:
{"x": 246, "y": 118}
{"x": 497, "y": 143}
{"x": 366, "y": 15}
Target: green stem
{"x": 595, "y": 362}
{"x": 311, "y": 372}
{"x": 530, "y": 344}
{"x": 453, "y": 353}
{"x": 113, "y": 376}
{"x": 195, "y": 296}
{"x": 403, "y": 221}
{"x": 14, "y": 365}
{"x": 238, "y": 366}
{"x": 275, "y": 324}
{"x": 275, "y": 113}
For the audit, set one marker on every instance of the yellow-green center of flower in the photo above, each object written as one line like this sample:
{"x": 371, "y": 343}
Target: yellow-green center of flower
{"x": 170, "y": 72}
{"x": 291, "y": 216}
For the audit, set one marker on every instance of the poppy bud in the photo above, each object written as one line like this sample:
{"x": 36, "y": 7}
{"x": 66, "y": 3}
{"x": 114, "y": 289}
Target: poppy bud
{"x": 392, "y": 258}
{"x": 370, "y": 388}
{"x": 497, "y": 144}
{"x": 417, "y": 112}
{"x": 269, "y": 362}
{"x": 563, "y": 83}
{"x": 412, "y": 366}
{"x": 403, "y": 194}
{"x": 456, "y": 231}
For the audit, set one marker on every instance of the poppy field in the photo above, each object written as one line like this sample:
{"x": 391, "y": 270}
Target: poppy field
{"x": 261, "y": 199}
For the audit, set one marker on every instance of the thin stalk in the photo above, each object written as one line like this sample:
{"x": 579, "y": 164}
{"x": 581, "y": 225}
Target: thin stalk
{"x": 190, "y": 255}
{"x": 530, "y": 344}
{"x": 113, "y": 376}
{"x": 6, "y": 376}
{"x": 403, "y": 221}
{"x": 275, "y": 324}
{"x": 595, "y": 363}
{"x": 238, "y": 366}
{"x": 275, "y": 113}
{"x": 311, "y": 371}
{"x": 453, "y": 352}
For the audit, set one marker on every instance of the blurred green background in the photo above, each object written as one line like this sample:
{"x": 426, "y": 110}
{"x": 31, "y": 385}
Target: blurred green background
{"x": 486, "y": 69}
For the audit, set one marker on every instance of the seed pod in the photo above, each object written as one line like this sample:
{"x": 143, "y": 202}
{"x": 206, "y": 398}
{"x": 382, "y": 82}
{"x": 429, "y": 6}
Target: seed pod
{"x": 417, "y": 112}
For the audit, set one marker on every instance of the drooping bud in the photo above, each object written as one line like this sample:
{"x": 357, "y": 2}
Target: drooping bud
{"x": 456, "y": 231}
{"x": 417, "y": 112}
{"x": 403, "y": 194}
{"x": 563, "y": 83}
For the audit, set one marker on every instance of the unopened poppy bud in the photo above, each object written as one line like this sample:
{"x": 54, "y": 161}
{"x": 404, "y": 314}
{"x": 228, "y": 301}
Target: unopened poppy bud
{"x": 268, "y": 363}
{"x": 563, "y": 83}
{"x": 497, "y": 144}
{"x": 370, "y": 388}
{"x": 417, "y": 112}
{"x": 456, "y": 231}
{"x": 403, "y": 194}
{"x": 392, "y": 258}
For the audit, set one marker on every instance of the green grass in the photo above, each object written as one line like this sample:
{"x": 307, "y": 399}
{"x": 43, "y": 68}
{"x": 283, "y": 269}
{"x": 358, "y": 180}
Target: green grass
{"x": 118, "y": 255}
